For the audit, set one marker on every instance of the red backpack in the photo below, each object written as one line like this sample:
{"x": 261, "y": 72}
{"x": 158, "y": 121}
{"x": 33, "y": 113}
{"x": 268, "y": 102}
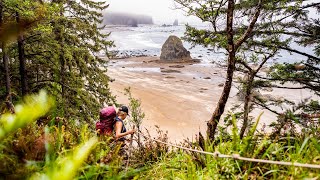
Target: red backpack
{"x": 105, "y": 125}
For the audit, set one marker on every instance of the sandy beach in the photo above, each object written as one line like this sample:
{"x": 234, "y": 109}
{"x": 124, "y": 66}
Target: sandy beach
{"x": 178, "y": 97}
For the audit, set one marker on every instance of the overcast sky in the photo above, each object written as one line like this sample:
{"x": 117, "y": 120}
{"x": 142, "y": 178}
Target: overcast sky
{"x": 162, "y": 11}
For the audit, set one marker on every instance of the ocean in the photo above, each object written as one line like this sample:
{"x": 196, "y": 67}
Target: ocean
{"x": 148, "y": 40}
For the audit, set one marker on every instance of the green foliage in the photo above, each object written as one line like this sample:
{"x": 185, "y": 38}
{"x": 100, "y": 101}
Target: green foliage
{"x": 135, "y": 109}
{"x": 67, "y": 167}
{"x": 34, "y": 107}
{"x": 62, "y": 43}
{"x": 58, "y": 151}
{"x": 71, "y": 152}
{"x": 149, "y": 151}
{"x": 137, "y": 115}
{"x": 33, "y": 16}
{"x": 185, "y": 165}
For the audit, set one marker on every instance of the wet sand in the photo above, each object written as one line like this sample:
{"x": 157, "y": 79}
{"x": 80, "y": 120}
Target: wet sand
{"x": 178, "y": 97}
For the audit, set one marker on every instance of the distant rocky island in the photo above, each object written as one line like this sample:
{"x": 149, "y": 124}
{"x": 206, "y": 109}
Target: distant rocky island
{"x": 126, "y": 19}
{"x": 175, "y": 23}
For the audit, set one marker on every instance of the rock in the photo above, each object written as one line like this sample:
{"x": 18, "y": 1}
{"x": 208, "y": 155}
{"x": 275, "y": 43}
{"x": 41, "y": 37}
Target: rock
{"x": 207, "y": 78}
{"x": 268, "y": 89}
{"x": 166, "y": 25}
{"x": 170, "y": 77}
{"x": 132, "y": 22}
{"x": 175, "y": 23}
{"x": 177, "y": 66}
{"x": 173, "y": 49}
{"x": 123, "y": 67}
{"x": 221, "y": 85}
{"x": 299, "y": 66}
{"x": 170, "y": 71}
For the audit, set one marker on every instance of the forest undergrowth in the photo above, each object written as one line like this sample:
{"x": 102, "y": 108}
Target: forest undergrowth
{"x": 65, "y": 149}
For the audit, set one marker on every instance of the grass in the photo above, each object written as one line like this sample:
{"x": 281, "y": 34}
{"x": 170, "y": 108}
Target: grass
{"x": 183, "y": 165}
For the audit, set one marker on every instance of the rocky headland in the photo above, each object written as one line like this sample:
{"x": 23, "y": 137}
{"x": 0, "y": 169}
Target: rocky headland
{"x": 126, "y": 19}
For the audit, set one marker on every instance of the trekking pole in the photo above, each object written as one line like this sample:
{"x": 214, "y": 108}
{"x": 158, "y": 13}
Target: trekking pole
{"x": 130, "y": 148}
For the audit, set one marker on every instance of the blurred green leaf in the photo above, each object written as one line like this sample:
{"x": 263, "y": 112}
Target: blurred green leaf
{"x": 34, "y": 107}
{"x": 67, "y": 167}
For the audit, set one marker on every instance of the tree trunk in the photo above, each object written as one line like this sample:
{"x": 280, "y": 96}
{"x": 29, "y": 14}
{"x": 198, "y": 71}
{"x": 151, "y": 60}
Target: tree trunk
{"x": 139, "y": 138}
{"x": 62, "y": 74}
{"x": 22, "y": 61}
{"x": 247, "y": 101}
{"x": 213, "y": 122}
{"x": 6, "y": 71}
{"x": 60, "y": 39}
{"x": 5, "y": 60}
{"x": 247, "y": 104}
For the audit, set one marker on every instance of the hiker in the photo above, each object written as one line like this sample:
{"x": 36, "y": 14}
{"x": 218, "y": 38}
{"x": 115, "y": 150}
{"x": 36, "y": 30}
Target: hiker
{"x": 111, "y": 124}
{"x": 120, "y": 129}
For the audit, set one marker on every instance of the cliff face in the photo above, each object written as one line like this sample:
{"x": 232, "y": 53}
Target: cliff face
{"x": 126, "y": 19}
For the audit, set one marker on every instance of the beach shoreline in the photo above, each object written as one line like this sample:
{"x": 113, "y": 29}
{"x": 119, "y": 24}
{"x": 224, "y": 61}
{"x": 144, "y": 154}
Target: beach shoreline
{"x": 177, "y": 97}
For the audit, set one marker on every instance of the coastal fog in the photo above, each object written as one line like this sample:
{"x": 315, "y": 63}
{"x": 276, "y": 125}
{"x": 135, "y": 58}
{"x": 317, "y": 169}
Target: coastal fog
{"x": 126, "y": 19}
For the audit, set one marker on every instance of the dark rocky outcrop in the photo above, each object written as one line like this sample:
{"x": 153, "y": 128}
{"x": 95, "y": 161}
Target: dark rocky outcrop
{"x": 175, "y": 23}
{"x": 173, "y": 50}
{"x": 170, "y": 71}
{"x": 177, "y": 66}
{"x": 166, "y": 25}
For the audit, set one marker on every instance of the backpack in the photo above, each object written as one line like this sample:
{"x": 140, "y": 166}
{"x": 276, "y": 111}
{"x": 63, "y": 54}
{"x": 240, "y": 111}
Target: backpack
{"x": 105, "y": 125}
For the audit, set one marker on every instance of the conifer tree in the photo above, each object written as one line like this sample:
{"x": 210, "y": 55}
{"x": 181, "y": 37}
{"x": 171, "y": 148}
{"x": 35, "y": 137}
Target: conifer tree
{"x": 67, "y": 59}
{"x": 242, "y": 29}
{"x": 62, "y": 44}
{"x": 18, "y": 16}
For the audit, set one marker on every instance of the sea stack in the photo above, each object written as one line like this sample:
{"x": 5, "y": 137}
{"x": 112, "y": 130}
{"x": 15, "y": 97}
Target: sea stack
{"x": 173, "y": 50}
{"x": 175, "y": 23}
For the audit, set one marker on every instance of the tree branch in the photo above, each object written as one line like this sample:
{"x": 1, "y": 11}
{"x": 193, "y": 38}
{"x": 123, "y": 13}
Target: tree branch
{"x": 264, "y": 61}
{"x": 299, "y": 52}
{"x": 266, "y": 107}
{"x": 249, "y": 30}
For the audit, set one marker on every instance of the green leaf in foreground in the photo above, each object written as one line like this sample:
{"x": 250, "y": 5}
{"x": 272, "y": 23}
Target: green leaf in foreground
{"x": 67, "y": 167}
{"x": 34, "y": 107}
